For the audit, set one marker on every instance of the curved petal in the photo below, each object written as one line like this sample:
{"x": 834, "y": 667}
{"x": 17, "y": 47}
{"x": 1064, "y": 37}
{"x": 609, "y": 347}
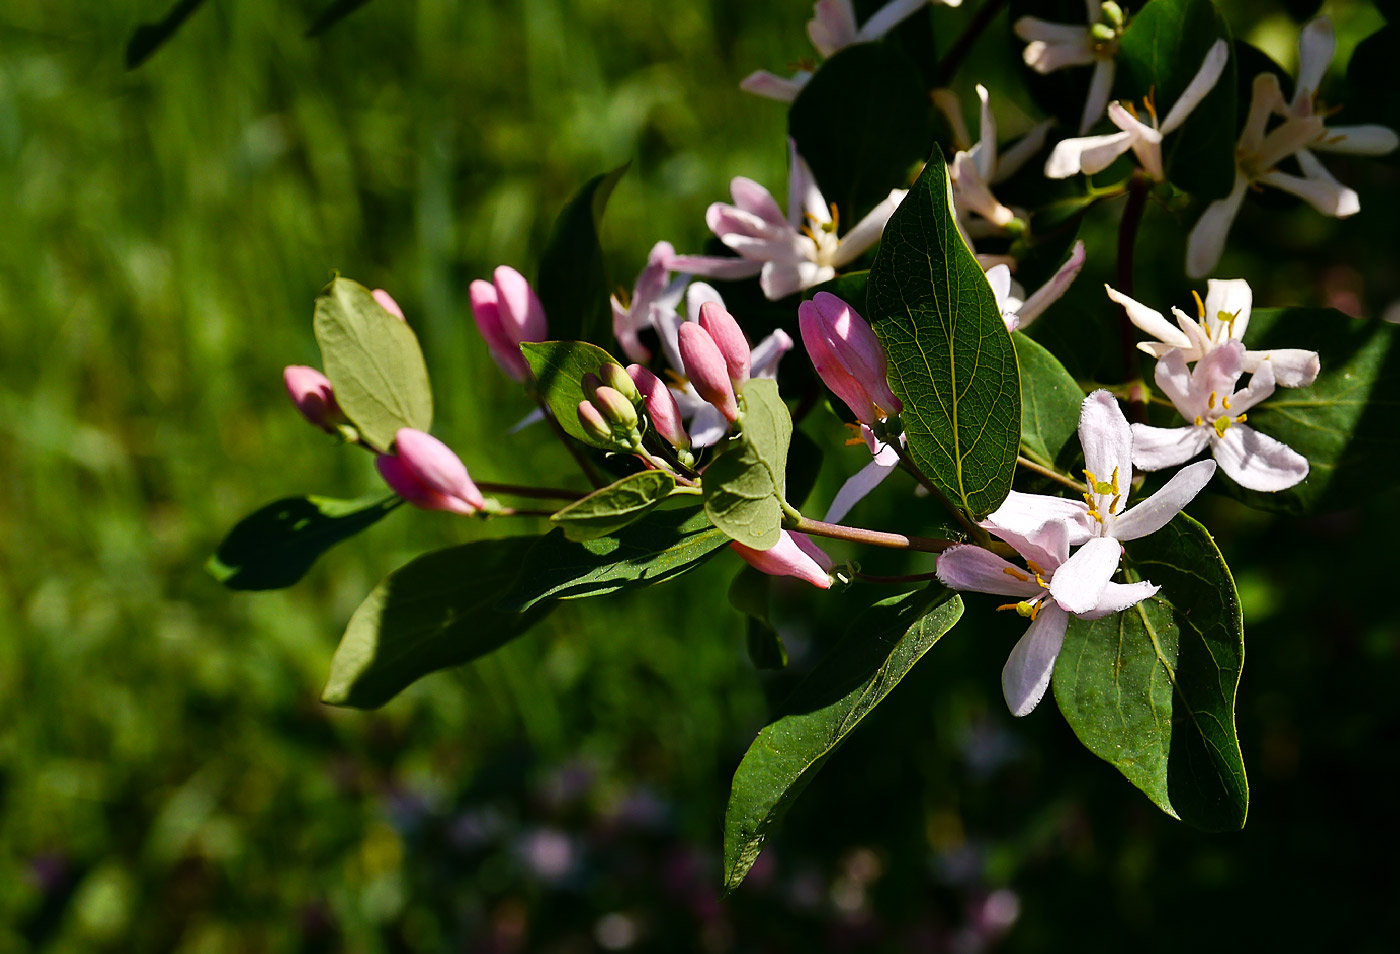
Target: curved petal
{"x": 1257, "y": 461}
{"x": 1023, "y": 514}
{"x": 1317, "y": 44}
{"x": 1032, "y": 29}
{"x": 1261, "y": 386}
{"x": 1323, "y": 193}
{"x": 716, "y": 266}
{"x": 832, "y": 27}
{"x": 1028, "y": 669}
{"x": 768, "y": 352}
{"x": 1207, "y": 239}
{"x": 1174, "y": 378}
{"x": 1293, "y": 367}
{"x": 1200, "y": 86}
{"x": 1157, "y": 447}
{"x": 890, "y": 16}
{"x": 1049, "y": 293}
{"x": 868, "y": 230}
{"x": 1233, "y": 297}
{"x": 708, "y": 425}
{"x": 985, "y": 152}
{"x": 1100, "y": 87}
{"x": 1079, "y": 584}
{"x": 804, "y": 198}
{"x": 1156, "y": 511}
{"x": 1369, "y": 140}
{"x": 856, "y": 487}
{"x": 780, "y": 280}
{"x": 981, "y": 571}
{"x": 1150, "y": 320}
{"x": 1011, "y": 160}
{"x": 1105, "y": 437}
{"x": 755, "y": 199}
{"x": 771, "y": 86}
{"x": 1119, "y": 596}
{"x": 1265, "y": 99}
{"x": 1216, "y": 373}
{"x": 786, "y": 558}
{"x": 1089, "y": 154}
{"x": 1046, "y": 545}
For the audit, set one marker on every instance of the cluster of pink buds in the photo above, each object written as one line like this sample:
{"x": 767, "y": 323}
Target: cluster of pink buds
{"x": 847, "y": 356}
{"x": 717, "y": 357}
{"x": 507, "y": 313}
{"x": 609, "y": 414}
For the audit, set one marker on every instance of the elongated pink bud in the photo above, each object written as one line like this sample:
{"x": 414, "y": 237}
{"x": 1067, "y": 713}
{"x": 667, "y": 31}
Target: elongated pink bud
{"x": 729, "y": 337}
{"x": 486, "y": 310}
{"x": 425, "y": 472}
{"x": 661, "y": 406}
{"x": 522, "y": 315}
{"x": 593, "y": 423}
{"x": 848, "y": 356}
{"x": 311, "y": 392}
{"x": 706, "y": 368}
{"x": 386, "y": 301}
{"x": 794, "y": 555}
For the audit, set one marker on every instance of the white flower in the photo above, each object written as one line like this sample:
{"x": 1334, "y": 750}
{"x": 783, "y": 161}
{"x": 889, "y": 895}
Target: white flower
{"x": 788, "y": 254}
{"x": 977, "y": 167}
{"x": 1302, "y": 131}
{"x": 653, "y": 291}
{"x": 1045, "y": 550}
{"x": 1055, "y": 46}
{"x": 704, "y": 422}
{"x": 1108, "y": 466}
{"x": 1206, "y": 396}
{"x": 1093, "y": 154}
{"x": 1221, "y": 318}
{"x": 1017, "y": 310}
{"x": 832, "y": 29}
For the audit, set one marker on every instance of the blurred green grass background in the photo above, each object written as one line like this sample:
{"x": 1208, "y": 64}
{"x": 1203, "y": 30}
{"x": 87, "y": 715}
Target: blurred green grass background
{"x": 168, "y": 780}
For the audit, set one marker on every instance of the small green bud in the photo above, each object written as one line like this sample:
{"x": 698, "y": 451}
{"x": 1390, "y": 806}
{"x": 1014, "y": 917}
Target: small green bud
{"x": 1112, "y": 13}
{"x": 616, "y": 409}
{"x": 1102, "y": 32}
{"x": 593, "y": 423}
{"x": 590, "y": 384}
{"x": 615, "y": 376}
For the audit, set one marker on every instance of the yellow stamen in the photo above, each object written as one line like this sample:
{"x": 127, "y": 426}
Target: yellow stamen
{"x": 1199, "y": 422}
{"x": 1241, "y": 418}
{"x": 1015, "y": 574}
{"x": 1225, "y": 403}
{"x": 1114, "y": 483}
{"x": 1150, "y": 102}
{"x": 1210, "y": 402}
{"x": 1113, "y": 507}
{"x": 1024, "y": 608}
{"x": 1200, "y": 305}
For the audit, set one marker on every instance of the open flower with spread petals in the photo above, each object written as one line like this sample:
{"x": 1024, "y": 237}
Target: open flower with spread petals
{"x": 794, "y": 555}
{"x": 1093, "y": 154}
{"x": 788, "y": 254}
{"x": 654, "y": 292}
{"x": 1017, "y": 310}
{"x": 1045, "y": 552}
{"x": 1108, "y": 466}
{"x": 425, "y": 472}
{"x": 1206, "y": 397}
{"x": 832, "y": 29}
{"x": 1302, "y": 132}
{"x": 1221, "y": 318}
{"x": 1056, "y": 46}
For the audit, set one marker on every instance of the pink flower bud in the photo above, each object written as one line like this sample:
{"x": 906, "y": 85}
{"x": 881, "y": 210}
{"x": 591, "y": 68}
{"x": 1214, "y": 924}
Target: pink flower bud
{"x": 706, "y": 368}
{"x": 311, "y": 392}
{"x": 386, "y": 301}
{"x": 593, "y": 422}
{"x": 730, "y": 338}
{"x": 794, "y": 555}
{"x": 425, "y": 472}
{"x": 847, "y": 355}
{"x": 661, "y": 406}
{"x": 507, "y": 313}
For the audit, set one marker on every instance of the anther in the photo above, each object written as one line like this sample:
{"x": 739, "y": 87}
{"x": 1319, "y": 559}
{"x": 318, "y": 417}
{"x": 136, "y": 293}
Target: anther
{"x": 1015, "y": 574}
{"x": 1200, "y": 305}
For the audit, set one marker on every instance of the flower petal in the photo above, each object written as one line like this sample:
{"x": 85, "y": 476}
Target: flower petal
{"x": 1293, "y": 367}
{"x": 1232, "y": 296}
{"x": 771, "y": 86}
{"x": 832, "y": 27}
{"x": 780, "y": 280}
{"x": 756, "y": 200}
{"x": 1012, "y": 159}
{"x": 1079, "y": 584}
{"x": 1257, "y": 461}
{"x": 1023, "y": 514}
{"x": 716, "y": 266}
{"x": 890, "y": 16}
{"x": 1089, "y": 155}
{"x": 1119, "y": 596}
{"x": 1105, "y": 437}
{"x": 982, "y": 571}
{"x": 804, "y": 198}
{"x": 855, "y": 489}
{"x": 768, "y": 352}
{"x": 1200, "y": 86}
{"x": 1207, "y": 239}
{"x": 1156, "y": 511}
{"x": 1157, "y": 447}
{"x": 1322, "y": 192}
{"x": 1028, "y": 669}
{"x": 786, "y": 558}
{"x": 1174, "y": 378}
{"x": 868, "y": 230}
{"x": 1367, "y": 140}
{"x": 1049, "y": 293}
{"x": 1317, "y": 44}
{"x": 1100, "y": 87}
{"x": 1261, "y": 387}
{"x": 1150, "y": 320}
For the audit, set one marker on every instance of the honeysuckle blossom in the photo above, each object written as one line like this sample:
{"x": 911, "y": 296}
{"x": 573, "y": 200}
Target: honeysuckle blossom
{"x": 1221, "y": 318}
{"x": 788, "y": 254}
{"x": 706, "y": 423}
{"x": 1093, "y": 154}
{"x": 425, "y": 472}
{"x": 1017, "y": 310}
{"x": 832, "y": 29}
{"x": 1045, "y": 551}
{"x": 847, "y": 356}
{"x": 1080, "y": 584}
{"x": 1302, "y": 132}
{"x": 795, "y": 554}
{"x": 1206, "y": 396}
{"x": 655, "y": 292}
{"x": 507, "y": 313}
{"x": 1055, "y": 46}
{"x": 976, "y": 167}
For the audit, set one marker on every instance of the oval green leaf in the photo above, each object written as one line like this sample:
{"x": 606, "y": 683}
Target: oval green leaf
{"x": 1050, "y": 402}
{"x": 374, "y": 363}
{"x": 883, "y": 644}
{"x": 614, "y": 506}
{"x": 1151, "y": 690}
{"x": 744, "y": 486}
{"x": 951, "y": 361}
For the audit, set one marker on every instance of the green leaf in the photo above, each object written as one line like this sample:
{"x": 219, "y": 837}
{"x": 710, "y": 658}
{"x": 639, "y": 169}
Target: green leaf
{"x": 749, "y": 594}
{"x": 862, "y": 122}
{"x": 951, "y": 361}
{"x": 332, "y": 15}
{"x": 437, "y": 611}
{"x": 275, "y": 546}
{"x": 559, "y": 367}
{"x": 614, "y": 506}
{"x": 1050, "y": 402}
{"x": 1344, "y": 424}
{"x": 1160, "y": 52}
{"x": 573, "y": 285}
{"x": 147, "y": 38}
{"x": 804, "y": 464}
{"x": 883, "y": 644}
{"x": 667, "y": 542}
{"x": 374, "y": 363}
{"x": 743, "y": 487}
{"x": 1152, "y": 689}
